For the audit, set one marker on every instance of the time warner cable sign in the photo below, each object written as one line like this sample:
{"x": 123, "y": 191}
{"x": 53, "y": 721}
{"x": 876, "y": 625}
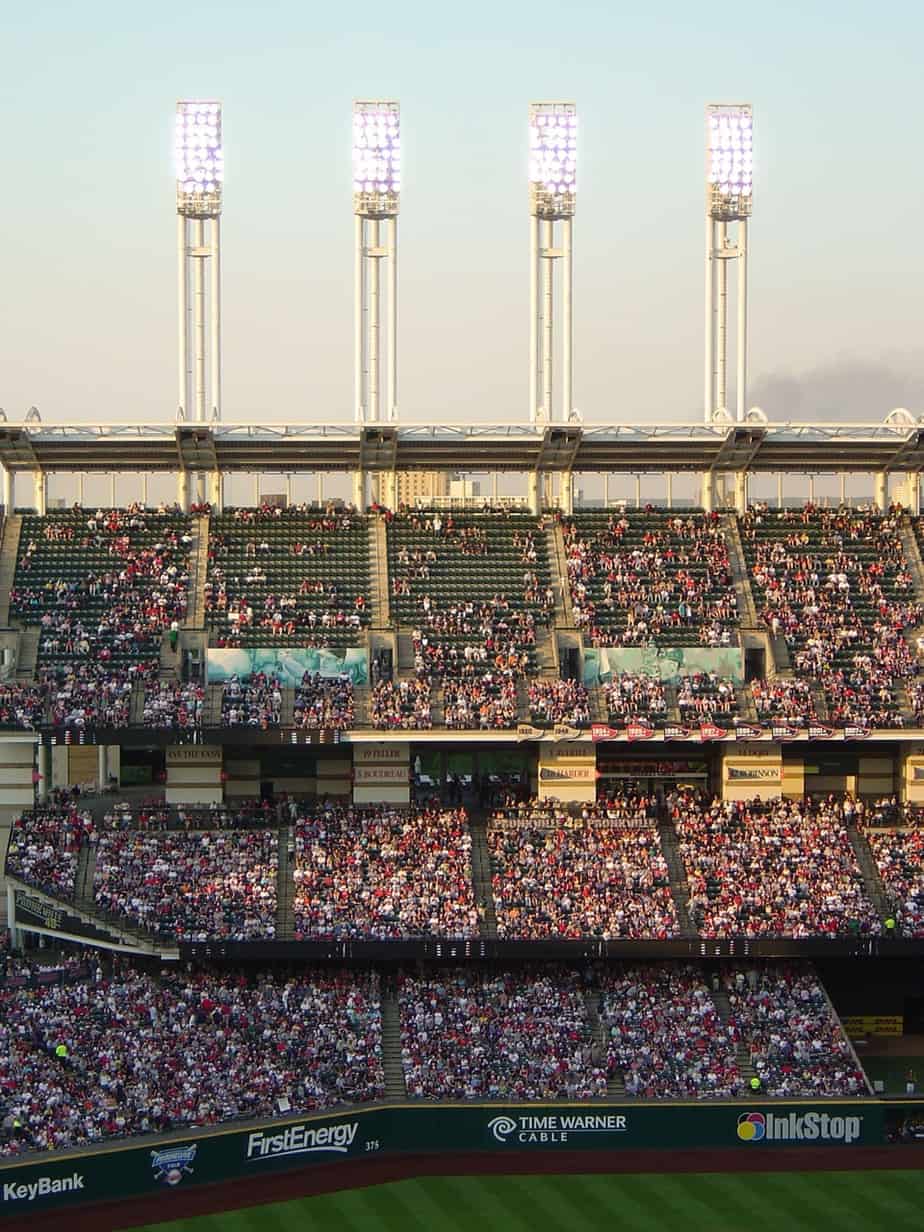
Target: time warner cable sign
{"x": 552, "y": 1130}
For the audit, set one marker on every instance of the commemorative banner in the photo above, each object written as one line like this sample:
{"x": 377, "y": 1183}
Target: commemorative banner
{"x": 711, "y": 731}
{"x": 817, "y": 731}
{"x": 639, "y": 730}
{"x": 748, "y": 731}
{"x": 784, "y": 732}
{"x": 601, "y": 731}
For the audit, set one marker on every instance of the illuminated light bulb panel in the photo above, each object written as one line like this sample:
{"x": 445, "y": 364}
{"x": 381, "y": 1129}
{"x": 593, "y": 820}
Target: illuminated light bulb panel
{"x": 376, "y": 158}
{"x": 729, "y": 161}
{"x": 553, "y": 132}
{"x": 200, "y": 160}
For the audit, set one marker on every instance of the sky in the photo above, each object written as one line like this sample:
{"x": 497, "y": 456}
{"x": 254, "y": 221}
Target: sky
{"x": 87, "y": 207}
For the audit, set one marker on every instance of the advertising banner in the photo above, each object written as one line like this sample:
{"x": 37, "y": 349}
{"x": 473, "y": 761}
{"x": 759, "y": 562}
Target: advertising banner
{"x": 145, "y": 1169}
{"x": 668, "y": 663}
{"x": 288, "y": 664}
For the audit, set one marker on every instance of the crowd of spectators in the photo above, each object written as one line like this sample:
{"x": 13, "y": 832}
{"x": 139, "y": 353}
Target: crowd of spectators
{"x": 84, "y": 695}
{"x": 784, "y": 699}
{"x": 664, "y": 1035}
{"x": 254, "y": 702}
{"x": 191, "y": 886}
{"x": 589, "y": 875}
{"x": 486, "y": 702}
{"x": 383, "y": 873}
{"x": 899, "y": 856}
{"x": 705, "y": 697}
{"x": 835, "y": 584}
{"x": 22, "y": 706}
{"x": 44, "y": 847}
{"x": 324, "y": 702}
{"x": 494, "y": 635}
{"x": 559, "y": 701}
{"x": 171, "y": 705}
{"x": 635, "y": 696}
{"x": 403, "y": 705}
{"x": 131, "y": 1053}
{"x": 511, "y": 1036}
{"x": 795, "y": 1041}
{"x": 771, "y": 868}
{"x": 631, "y": 589}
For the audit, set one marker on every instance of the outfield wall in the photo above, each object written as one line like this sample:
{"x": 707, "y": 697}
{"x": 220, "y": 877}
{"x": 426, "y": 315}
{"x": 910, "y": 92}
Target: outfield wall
{"x": 138, "y": 1170}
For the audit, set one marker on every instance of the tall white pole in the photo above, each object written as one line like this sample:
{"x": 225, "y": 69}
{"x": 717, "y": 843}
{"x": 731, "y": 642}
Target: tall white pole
{"x": 534, "y": 324}
{"x": 199, "y": 319}
{"x": 742, "y": 343}
{"x": 391, "y": 274}
{"x": 182, "y": 316}
{"x": 358, "y": 320}
{"x": 215, "y": 317}
{"x": 709, "y": 385}
{"x": 567, "y": 328}
{"x": 373, "y": 404}
{"x": 721, "y": 373}
{"x": 547, "y": 319}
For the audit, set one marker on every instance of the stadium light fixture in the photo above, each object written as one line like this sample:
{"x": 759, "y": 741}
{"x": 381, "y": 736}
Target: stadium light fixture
{"x": 200, "y": 159}
{"x": 376, "y": 158}
{"x": 553, "y": 133}
{"x": 729, "y": 160}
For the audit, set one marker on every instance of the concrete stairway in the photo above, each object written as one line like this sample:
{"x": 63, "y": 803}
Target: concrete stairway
{"x": 287, "y": 711}
{"x": 742, "y": 1055}
{"x": 395, "y": 1087}
{"x": 380, "y": 596}
{"x": 28, "y": 653}
{"x": 481, "y": 879}
{"x": 555, "y": 540}
{"x": 547, "y": 653}
{"x": 211, "y": 711}
{"x": 9, "y": 549}
{"x": 361, "y": 706}
{"x": 912, "y": 557}
{"x": 872, "y": 882}
{"x": 680, "y": 887}
{"x": 405, "y": 664}
{"x": 285, "y": 885}
{"x": 747, "y": 609}
{"x": 83, "y": 878}
{"x": 437, "y": 708}
{"x": 615, "y": 1086}
{"x": 522, "y": 701}
{"x": 136, "y": 704}
{"x": 198, "y": 569}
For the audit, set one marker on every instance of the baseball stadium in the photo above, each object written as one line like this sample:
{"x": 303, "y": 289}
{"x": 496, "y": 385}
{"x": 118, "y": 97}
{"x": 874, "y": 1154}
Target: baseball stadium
{"x": 440, "y": 825}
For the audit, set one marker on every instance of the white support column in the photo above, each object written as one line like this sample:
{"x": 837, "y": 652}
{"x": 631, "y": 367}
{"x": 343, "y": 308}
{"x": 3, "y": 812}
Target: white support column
{"x": 721, "y": 363}
{"x": 843, "y": 488}
{"x": 670, "y": 489}
{"x": 256, "y": 491}
{"x": 707, "y": 491}
{"x": 741, "y": 346}
{"x": 112, "y": 490}
{"x": 80, "y": 488}
{"x": 811, "y": 480}
{"x": 779, "y": 489}
{"x": 182, "y": 490}
{"x": 912, "y": 500}
{"x": 7, "y": 491}
{"x": 534, "y": 323}
{"x": 144, "y": 489}
{"x": 494, "y": 487}
{"x": 199, "y": 319}
{"x": 566, "y": 489}
{"x": 40, "y": 491}
{"x": 638, "y": 491}
{"x": 547, "y": 320}
{"x": 709, "y": 385}
{"x": 882, "y": 491}
{"x": 741, "y": 492}
{"x": 216, "y": 494}
{"x": 320, "y": 481}
{"x": 215, "y": 317}
{"x": 606, "y": 489}
{"x": 288, "y": 482}
{"x": 533, "y": 493}
{"x": 359, "y": 350}
{"x": 359, "y": 490}
{"x": 567, "y": 325}
{"x": 182, "y": 317}
{"x": 373, "y": 403}
{"x": 391, "y": 277}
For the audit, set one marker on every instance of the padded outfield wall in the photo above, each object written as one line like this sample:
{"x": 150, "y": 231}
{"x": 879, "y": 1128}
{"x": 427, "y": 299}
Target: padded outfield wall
{"x": 139, "y": 1169}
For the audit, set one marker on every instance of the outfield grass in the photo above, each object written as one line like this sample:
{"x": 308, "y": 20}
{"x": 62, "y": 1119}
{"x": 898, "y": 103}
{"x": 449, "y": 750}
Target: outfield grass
{"x": 713, "y": 1202}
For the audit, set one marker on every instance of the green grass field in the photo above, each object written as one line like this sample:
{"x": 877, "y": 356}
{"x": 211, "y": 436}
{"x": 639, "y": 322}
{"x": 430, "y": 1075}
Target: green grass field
{"x": 713, "y": 1202}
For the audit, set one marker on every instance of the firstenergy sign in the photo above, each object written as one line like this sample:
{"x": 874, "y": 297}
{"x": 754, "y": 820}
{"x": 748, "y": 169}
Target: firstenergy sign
{"x": 798, "y": 1127}
{"x": 302, "y": 1140}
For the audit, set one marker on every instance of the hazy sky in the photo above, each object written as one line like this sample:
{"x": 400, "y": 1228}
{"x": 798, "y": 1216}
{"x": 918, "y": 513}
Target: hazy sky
{"x": 87, "y": 223}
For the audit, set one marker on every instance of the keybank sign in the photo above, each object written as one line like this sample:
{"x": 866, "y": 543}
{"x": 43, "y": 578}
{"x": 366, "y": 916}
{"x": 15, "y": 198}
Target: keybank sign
{"x": 552, "y": 1129}
{"x": 41, "y": 1188}
{"x": 302, "y": 1140}
{"x": 798, "y": 1127}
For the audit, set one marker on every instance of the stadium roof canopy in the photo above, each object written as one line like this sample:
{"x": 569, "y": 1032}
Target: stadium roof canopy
{"x": 230, "y": 447}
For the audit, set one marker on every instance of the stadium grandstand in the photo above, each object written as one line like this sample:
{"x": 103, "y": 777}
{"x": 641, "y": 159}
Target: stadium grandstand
{"x": 359, "y": 811}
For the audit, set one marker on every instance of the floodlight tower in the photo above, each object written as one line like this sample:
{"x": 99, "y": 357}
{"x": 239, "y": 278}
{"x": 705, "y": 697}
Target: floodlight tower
{"x": 729, "y": 184}
{"x": 199, "y": 176}
{"x": 552, "y": 189}
{"x": 376, "y": 195}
